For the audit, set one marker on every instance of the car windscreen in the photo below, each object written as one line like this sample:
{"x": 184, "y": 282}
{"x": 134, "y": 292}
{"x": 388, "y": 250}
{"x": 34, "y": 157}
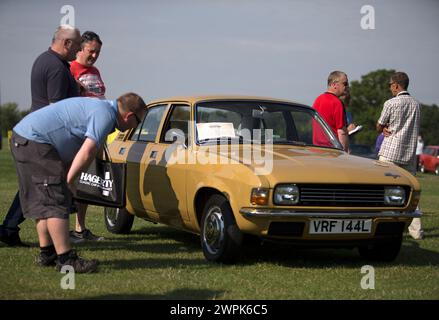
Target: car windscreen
{"x": 261, "y": 122}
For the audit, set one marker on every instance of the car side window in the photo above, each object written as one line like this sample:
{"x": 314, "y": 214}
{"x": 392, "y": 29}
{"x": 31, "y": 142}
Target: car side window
{"x": 177, "y": 125}
{"x": 148, "y": 130}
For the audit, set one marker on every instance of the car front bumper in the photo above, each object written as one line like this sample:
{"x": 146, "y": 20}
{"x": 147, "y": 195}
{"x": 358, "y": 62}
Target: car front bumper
{"x": 289, "y": 213}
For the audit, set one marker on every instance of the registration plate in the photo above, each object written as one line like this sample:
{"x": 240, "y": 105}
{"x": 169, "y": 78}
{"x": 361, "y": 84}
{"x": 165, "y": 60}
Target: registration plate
{"x": 340, "y": 226}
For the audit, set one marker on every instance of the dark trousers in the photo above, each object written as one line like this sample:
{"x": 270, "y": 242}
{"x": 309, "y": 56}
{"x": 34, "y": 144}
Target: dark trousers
{"x": 13, "y": 218}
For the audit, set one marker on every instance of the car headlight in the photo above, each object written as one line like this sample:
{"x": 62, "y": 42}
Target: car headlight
{"x": 287, "y": 194}
{"x": 394, "y": 196}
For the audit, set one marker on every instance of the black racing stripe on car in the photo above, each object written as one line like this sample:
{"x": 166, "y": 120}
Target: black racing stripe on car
{"x": 136, "y": 151}
{"x": 134, "y": 157}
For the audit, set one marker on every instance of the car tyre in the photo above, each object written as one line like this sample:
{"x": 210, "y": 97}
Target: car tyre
{"x": 422, "y": 168}
{"x": 384, "y": 250}
{"x": 436, "y": 171}
{"x": 118, "y": 221}
{"x": 221, "y": 238}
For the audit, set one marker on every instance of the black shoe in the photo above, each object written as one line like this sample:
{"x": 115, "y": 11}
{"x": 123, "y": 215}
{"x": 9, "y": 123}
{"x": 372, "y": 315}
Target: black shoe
{"x": 45, "y": 261}
{"x": 79, "y": 237}
{"x": 13, "y": 240}
{"x": 79, "y": 264}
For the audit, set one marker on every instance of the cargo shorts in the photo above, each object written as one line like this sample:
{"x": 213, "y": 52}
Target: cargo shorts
{"x": 42, "y": 178}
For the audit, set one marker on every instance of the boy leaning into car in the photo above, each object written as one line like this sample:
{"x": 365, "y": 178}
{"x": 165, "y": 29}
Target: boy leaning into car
{"x": 50, "y": 147}
{"x": 51, "y": 81}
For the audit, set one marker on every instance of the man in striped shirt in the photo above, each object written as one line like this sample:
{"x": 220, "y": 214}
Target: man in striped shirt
{"x": 399, "y": 122}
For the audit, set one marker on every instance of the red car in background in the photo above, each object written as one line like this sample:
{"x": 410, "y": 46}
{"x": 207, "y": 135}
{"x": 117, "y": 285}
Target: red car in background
{"x": 429, "y": 160}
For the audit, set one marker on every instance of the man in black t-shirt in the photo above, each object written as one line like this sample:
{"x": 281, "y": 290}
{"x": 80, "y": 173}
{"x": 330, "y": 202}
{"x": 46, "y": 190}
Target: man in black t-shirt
{"x": 51, "y": 81}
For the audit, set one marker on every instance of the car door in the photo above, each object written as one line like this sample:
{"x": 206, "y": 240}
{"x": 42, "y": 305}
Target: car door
{"x": 165, "y": 176}
{"x": 137, "y": 150}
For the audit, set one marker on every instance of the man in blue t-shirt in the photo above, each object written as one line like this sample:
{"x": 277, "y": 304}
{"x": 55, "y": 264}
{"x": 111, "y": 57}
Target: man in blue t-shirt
{"x": 50, "y": 147}
{"x": 51, "y": 81}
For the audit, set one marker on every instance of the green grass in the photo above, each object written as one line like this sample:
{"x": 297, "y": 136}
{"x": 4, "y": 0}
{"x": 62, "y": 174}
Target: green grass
{"x": 156, "y": 262}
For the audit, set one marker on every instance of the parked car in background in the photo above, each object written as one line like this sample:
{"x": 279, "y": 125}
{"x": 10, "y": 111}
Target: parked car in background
{"x": 429, "y": 160}
{"x": 235, "y": 168}
{"x": 363, "y": 150}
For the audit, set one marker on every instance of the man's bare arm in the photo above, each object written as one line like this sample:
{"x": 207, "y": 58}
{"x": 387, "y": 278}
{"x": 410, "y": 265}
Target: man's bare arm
{"x": 82, "y": 160}
{"x": 343, "y": 137}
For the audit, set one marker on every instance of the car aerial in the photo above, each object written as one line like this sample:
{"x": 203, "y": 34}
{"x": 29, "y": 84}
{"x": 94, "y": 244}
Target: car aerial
{"x": 429, "y": 160}
{"x": 232, "y": 168}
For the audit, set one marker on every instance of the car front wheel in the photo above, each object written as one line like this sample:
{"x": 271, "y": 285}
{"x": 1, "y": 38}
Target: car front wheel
{"x": 436, "y": 171}
{"x": 422, "y": 168}
{"x": 385, "y": 250}
{"x": 118, "y": 221}
{"x": 221, "y": 238}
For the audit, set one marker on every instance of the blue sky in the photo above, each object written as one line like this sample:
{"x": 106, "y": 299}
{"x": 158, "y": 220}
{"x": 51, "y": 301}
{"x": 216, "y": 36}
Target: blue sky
{"x": 281, "y": 49}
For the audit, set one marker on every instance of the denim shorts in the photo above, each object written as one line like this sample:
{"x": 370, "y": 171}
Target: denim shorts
{"x": 42, "y": 178}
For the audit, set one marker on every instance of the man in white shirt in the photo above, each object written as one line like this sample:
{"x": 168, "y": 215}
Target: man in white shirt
{"x": 399, "y": 122}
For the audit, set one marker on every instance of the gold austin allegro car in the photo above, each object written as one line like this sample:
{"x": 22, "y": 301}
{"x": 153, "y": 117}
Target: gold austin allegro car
{"x": 232, "y": 168}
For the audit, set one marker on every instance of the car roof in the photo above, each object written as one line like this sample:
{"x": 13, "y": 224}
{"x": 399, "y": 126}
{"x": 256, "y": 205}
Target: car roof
{"x": 433, "y": 147}
{"x": 206, "y": 98}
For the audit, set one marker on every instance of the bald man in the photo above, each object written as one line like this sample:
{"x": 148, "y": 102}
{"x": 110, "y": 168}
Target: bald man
{"x": 51, "y": 80}
{"x": 330, "y": 107}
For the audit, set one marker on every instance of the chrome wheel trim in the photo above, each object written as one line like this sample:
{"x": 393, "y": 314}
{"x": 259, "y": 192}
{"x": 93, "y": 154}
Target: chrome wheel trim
{"x": 213, "y": 230}
{"x": 111, "y": 214}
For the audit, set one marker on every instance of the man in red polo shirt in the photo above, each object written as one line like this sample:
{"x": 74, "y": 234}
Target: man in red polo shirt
{"x": 329, "y": 106}
{"x": 83, "y": 69}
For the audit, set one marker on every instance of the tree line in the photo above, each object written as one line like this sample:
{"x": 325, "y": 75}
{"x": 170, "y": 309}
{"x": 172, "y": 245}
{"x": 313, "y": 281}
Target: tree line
{"x": 10, "y": 115}
{"x": 367, "y": 99}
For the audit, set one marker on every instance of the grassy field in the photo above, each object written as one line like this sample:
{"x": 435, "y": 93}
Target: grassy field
{"x": 156, "y": 262}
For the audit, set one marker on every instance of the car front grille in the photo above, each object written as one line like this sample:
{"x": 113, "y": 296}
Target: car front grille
{"x": 342, "y": 195}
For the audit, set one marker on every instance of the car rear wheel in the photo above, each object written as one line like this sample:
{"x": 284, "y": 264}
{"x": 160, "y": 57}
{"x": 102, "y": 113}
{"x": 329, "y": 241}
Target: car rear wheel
{"x": 118, "y": 221}
{"x": 221, "y": 238}
{"x": 436, "y": 171}
{"x": 385, "y": 250}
